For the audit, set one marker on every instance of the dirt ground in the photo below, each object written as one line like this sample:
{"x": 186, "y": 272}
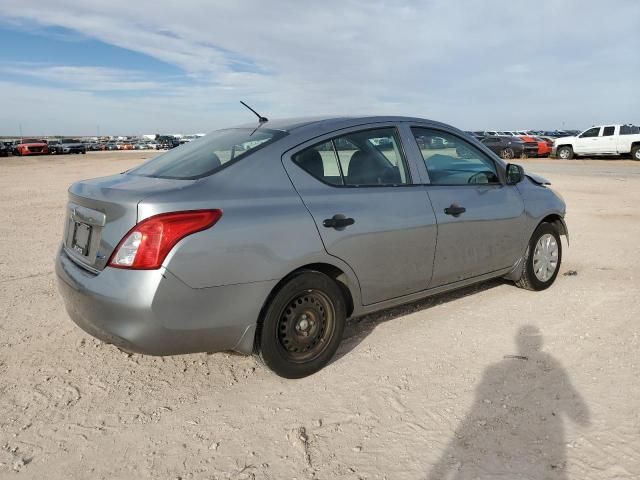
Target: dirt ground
{"x": 420, "y": 391}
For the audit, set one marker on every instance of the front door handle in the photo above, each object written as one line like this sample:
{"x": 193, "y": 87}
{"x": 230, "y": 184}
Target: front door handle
{"x": 338, "y": 222}
{"x": 455, "y": 210}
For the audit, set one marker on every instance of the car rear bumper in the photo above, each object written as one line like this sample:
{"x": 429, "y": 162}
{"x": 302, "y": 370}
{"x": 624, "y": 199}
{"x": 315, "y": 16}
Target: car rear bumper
{"x": 155, "y": 313}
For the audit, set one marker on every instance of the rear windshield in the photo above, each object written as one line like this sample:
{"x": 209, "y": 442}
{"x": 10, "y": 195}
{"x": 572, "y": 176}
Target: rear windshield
{"x": 208, "y": 154}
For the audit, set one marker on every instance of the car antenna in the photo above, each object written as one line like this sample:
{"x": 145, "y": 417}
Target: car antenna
{"x": 261, "y": 119}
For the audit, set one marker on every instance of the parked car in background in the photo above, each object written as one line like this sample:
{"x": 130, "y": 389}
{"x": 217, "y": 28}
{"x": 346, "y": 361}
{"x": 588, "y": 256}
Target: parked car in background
{"x": 53, "y": 145}
{"x": 188, "y": 253}
{"x": 545, "y": 145}
{"x": 70, "y": 145}
{"x": 111, "y": 146}
{"x": 530, "y": 145}
{"x": 601, "y": 140}
{"x": 505, "y": 146}
{"x": 166, "y": 142}
{"x": 94, "y": 146}
{"x": 31, "y": 146}
{"x": 5, "y": 150}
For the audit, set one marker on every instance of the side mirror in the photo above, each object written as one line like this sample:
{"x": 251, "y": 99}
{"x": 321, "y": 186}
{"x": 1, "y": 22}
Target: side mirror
{"x": 515, "y": 174}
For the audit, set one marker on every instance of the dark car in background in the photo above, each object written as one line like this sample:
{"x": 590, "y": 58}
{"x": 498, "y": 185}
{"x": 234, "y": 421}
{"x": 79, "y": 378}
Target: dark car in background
{"x": 506, "y": 147}
{"x": 166, "y": 142}
{"x": 70, "y": 145}
{"x": 53, "y": 145}
{"x": 5, "y": 149}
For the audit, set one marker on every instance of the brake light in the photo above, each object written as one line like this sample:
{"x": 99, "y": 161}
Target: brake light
{"x": 148, "y": 243}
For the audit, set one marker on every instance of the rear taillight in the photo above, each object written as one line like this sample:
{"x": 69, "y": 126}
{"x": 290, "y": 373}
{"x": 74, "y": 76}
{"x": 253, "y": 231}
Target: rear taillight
{"x": 147, "y": 245}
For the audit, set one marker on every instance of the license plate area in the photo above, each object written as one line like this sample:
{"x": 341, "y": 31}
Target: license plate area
{"x": 81, "y": 238}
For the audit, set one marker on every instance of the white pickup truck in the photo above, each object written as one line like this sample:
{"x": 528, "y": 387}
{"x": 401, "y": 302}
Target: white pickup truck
{"x": 602, "y": 140}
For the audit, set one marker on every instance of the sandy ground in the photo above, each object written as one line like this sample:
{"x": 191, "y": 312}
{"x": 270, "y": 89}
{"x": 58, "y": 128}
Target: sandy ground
{"x": 421, "y": 391}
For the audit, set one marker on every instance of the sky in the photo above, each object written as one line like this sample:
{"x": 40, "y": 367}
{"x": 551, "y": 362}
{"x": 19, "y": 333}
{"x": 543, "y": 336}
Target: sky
{"x": 120, "y": 67}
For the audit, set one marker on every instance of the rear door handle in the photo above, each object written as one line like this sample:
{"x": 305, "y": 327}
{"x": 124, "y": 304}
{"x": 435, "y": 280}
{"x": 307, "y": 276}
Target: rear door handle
{"x": 455, "y": 210}
{"x": 338, "y": 222}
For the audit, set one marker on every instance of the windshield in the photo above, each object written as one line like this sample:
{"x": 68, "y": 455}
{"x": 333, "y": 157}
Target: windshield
{"x": 204, "y": 156}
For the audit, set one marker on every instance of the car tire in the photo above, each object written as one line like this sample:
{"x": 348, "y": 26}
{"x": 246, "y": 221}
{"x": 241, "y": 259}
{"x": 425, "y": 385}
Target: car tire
{"x": 565, "y": 153}
{"x": 302, "y": 325}
{"x": 507, "y": 154}
{"x": 542, "y": 260}
{"x": 635, "y": 153}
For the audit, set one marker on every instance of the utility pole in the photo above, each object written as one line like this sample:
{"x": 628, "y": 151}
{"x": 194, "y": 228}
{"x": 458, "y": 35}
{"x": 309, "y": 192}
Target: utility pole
{"x": 20, "y": 128}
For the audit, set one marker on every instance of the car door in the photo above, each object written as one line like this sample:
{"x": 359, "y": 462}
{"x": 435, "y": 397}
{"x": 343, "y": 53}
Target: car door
{"x": 587, "y": 141}
{"x": 358, "y": 187}
{"x": 607, "y": 142}
{"x": 480, "y": 219}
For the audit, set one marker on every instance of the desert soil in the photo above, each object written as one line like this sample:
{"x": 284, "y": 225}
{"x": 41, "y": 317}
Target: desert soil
{"x": 420, "y": 391}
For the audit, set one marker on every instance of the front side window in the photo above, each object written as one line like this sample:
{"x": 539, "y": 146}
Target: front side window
{"x": 450, "y": 160}
{"x": 364, "y": 158}
{"x": 608, "y": 131}
{"x": 208, "y": 154}
{"x": 592, "y": 132}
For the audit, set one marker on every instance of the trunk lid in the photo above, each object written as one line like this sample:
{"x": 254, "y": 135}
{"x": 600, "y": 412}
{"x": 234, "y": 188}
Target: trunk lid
{"x": 102, "y": 210}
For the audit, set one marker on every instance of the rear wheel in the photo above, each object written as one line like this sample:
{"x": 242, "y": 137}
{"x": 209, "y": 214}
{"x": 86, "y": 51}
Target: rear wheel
{"x": 565, "y": 153}
{"x": 507, "y": 153}
{"x": 635, "y": 153}
{"x": 542, "y": 260}
{"x": 302, "y": 325}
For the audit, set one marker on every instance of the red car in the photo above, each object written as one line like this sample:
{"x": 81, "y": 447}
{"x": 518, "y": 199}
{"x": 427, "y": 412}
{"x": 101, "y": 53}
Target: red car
{"x": 544, "y": 148}
{"x": 31, "y": 147}
{"x": 545, "y": 144}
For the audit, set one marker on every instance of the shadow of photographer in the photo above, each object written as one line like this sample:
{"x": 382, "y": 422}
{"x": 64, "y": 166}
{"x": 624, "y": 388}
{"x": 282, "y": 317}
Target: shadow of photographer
{"x": 515, "y": 427}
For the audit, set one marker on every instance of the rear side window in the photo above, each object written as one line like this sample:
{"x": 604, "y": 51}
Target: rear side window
{"x": 320, "y": 161}
{"x": 450, "y": 160}
{"x": 208, "y": 154}
{"x": 364, "y": 158}
{"x": 608, "y": 131}
{"x": 629, "y": 130}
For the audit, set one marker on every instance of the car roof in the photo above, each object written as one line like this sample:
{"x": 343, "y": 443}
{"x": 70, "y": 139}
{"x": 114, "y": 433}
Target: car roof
{"x": 335, "y": 122}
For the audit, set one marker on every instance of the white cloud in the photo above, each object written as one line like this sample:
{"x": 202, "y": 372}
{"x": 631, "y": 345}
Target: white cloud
{"x": 498, "y": 64}
{"x": 97, "y": 79}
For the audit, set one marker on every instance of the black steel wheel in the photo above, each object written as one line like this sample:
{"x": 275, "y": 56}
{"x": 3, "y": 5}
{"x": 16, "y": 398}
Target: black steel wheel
{"x": 302, "y": 325}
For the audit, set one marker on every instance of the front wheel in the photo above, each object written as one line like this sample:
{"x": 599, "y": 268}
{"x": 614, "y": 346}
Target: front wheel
{"x": 542, "y": 259}
{"x": 635, "y": 153}
{"x": 302, "y": 325}
{"x": 565, "y": 153}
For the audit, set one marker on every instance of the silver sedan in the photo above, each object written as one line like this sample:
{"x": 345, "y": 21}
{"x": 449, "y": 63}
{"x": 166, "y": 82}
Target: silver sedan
{"x": 265, "y": 238}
